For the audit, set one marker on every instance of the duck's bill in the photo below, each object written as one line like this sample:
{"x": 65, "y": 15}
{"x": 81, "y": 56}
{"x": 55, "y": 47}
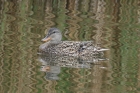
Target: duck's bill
{"x": 45, "y": 68}
{"x": 46, "y": 39}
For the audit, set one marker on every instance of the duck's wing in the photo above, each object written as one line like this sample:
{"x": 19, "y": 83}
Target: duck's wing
{"x": 73, "y": 47}
{"x": 68, "y": 47}
{"x": 85, "y": 45}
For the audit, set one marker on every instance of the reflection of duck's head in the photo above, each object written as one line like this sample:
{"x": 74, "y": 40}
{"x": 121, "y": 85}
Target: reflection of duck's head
{"x": 53, "y": 36}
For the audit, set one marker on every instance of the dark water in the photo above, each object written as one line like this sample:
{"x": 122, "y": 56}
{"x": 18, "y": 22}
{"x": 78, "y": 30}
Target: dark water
{"x": 111, "y": 24}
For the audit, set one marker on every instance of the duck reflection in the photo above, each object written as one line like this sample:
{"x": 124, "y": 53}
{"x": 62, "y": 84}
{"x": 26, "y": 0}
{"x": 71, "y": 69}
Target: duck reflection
{"x": 51, "y": 64}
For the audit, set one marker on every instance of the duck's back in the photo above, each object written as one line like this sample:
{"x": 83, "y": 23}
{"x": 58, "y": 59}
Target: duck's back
{"x": 72, "y": 48}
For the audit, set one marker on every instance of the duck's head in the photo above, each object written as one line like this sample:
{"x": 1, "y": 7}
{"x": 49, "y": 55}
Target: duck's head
{"x": 53, "y": 36}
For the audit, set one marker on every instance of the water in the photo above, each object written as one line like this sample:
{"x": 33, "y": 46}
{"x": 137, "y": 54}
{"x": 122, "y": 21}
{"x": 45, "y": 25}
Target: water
{"x": 111, "y": 24}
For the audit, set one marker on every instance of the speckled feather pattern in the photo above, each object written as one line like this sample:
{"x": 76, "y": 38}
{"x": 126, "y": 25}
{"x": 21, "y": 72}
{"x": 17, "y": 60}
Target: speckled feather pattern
{"x": 72, "y": 48}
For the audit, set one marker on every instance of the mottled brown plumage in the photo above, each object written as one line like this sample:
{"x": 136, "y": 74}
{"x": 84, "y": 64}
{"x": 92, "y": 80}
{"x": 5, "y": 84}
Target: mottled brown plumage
{"x": 54, "y": 45}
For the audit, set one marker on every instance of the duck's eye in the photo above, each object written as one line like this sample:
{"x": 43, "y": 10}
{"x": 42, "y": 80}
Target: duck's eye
{"x": 53, "y": 32}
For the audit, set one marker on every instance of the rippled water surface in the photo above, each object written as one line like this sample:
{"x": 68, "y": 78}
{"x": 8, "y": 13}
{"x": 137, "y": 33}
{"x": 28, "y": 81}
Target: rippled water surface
{"x": 110, "y": 24}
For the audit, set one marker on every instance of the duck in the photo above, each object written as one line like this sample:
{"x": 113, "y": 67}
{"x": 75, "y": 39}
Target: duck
{"x": 54, "y": 45}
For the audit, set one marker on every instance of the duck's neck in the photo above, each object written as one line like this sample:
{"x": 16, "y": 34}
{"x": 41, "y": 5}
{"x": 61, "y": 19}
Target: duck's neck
{"x": 46, "y": 44}
{"x": 43, "y": 46}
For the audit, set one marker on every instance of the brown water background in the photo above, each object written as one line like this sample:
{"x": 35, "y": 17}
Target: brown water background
{"x": 112, "y": 24}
